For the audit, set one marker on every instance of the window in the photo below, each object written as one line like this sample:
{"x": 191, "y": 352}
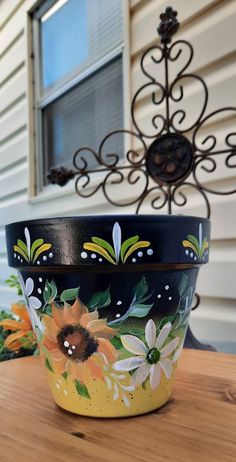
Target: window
{"x": 78, "y": 47}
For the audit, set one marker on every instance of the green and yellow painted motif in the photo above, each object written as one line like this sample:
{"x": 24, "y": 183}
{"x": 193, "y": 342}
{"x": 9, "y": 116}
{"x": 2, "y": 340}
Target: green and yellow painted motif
{"x": 119, "y": 251}
{"x": 196, "y": 247}
{"x": 31, "y": 252}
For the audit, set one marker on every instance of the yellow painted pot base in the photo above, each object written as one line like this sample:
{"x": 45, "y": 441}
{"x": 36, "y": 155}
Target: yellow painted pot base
{"x": 102, "y": 403}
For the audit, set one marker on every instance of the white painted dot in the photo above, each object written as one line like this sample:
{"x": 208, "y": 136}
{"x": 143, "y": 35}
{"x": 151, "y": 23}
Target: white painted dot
{"x": 117, "y": 315}
{"x": 167, "y": 287}
{"x": 187, "y": 251}
{"x": 191, "y": 254}
{"x": 15, "y": 255}
{"x": 93, "y": 256}
{"x": 45, "y": 258}
{"x": 70, "y": 352}
{"x": 46, "y": 289}
{"x": 133, "y": 260}
{"x": 119, "y": 302}
{"x": 170, "y": 298}
{"x": 50, "y": 255}
{"x": 100, "y": 259}
{"x": 38, "y": 262}
{"x": 57, "y": 385}
{"x": 159, "y": 296}
{"x": 39, "y": 291}
{"x": 140, "y": 254}
{"x": 195, "y": 258}
{"x": 73, "y": 347}
{"x": 18, "y": 257}
{"x": 66, "y": 343}
{"x": 149, "y": 251}
{"x": 40, "y": 279}
{"x": 21, "y": 260}
{"x": 65, "y": 392}
{"x": 84, "y": 254}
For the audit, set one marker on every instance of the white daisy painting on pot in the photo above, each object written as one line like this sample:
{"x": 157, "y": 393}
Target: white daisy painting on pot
{"x": 151, "y": 358}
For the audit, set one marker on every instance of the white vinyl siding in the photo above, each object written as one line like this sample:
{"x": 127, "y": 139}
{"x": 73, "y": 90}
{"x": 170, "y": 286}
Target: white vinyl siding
{"x": 210, "y": 26}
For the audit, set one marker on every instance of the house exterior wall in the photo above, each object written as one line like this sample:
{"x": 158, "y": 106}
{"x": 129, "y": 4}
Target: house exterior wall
{"x": 210, "y": 26}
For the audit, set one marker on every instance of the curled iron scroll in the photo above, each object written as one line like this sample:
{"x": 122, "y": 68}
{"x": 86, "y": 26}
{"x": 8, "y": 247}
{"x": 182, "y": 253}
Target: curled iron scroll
{"x": 142, "y": 169}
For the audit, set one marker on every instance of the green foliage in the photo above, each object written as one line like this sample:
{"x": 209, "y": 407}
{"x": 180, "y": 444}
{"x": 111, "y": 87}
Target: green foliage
{"x": 48, "y": 365}
{"x": 69, "y": 294}
{"x": 116, "y": 342}
{"x": 99, "y": 300}
{"x": 13, "y": 281}
{"x": 104, "y": 244}
{"x": 4, "y": 333}
{"x": 50, "y": 292}
{"x": 183, "y": 285}
{"x": 137, "y": 309}
{"x": 82, "y": 389}
{"x": 65, "y": 375}
{"x": 126, "y": 244}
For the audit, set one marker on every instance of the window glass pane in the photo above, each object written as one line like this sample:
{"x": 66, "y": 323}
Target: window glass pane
{"x": 76, "y": 33}
{"x": 83, "y": 116}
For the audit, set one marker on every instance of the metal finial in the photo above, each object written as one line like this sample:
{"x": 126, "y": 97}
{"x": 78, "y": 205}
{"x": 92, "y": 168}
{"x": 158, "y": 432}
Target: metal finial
{"x": 168, "y": 26}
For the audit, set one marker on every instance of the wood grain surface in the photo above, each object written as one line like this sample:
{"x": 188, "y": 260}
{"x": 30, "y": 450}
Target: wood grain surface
{"x": 198, "y": 424}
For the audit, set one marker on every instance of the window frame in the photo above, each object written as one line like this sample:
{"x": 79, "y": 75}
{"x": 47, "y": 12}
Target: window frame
{"x": 37, "y": 190}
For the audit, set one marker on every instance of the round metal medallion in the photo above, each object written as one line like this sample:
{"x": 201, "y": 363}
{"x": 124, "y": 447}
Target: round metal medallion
{"x": 169, "y": 159}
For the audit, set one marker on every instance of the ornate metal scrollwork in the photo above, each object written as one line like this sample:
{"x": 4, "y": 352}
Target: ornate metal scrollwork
{"x": 169, "y": 157}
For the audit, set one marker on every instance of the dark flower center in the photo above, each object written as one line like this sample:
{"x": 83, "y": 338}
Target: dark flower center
{"x": 76, "y": 343}
{"x": 153, "y": 356}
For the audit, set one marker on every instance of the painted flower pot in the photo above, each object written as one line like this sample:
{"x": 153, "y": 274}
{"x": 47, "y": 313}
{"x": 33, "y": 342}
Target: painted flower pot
{"x": 109, "y": 298}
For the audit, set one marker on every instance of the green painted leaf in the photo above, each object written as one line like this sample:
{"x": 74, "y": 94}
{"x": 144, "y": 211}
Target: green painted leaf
{"x": 46, "y": 292}
{"x": 82, "y": 389}
{"x": 194, "y": 241}
{"x": 34, "y": 246}
{"x": 136, "y": 246}
{"x": 116, "y": 342}
{"x": 65, "y": 375}
{"x": 132, "y": 240}
{"x": 50, "y": 292}
{"x": 141, "y": 289}
{"x": 69, "y": 294}
{"x": 48, "y": 365}
{"x": 53, "y": 291}
{"x": 23, "y": 246}
{"x": 21, "y": 252}
{"x": 104, "y": 244}
{"x": 183, "y": 285}
{"x": 181, "y": 320}
{"x": 100, "y": 300}
{"x": 100, "y": 250}
{"x": 40, "y": 250}
{"x": 140, "y": 310}
{"x": 165, "y": 320}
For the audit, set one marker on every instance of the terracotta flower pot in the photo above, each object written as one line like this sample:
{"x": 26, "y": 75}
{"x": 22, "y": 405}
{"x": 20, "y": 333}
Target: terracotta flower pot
{"x": 109, "y": 298}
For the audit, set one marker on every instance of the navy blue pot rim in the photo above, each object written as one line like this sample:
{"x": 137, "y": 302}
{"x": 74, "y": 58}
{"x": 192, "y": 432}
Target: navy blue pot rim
{"x": 113, "y": 241}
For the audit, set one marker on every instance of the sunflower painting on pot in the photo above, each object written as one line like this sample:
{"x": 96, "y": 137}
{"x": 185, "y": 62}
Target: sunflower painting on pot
{"x": 110, "y": 306}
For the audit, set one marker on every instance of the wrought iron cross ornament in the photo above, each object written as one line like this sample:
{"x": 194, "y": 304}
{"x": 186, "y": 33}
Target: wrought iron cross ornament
{"x": 173, "y": 155}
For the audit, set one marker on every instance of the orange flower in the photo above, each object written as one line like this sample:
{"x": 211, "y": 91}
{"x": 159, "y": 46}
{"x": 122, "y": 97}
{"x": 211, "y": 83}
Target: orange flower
{"x": 77, "y": 341}
{"x": 24, "y": 335}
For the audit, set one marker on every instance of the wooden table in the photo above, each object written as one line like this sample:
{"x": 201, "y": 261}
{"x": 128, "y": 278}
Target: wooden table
{"x": 198, "y": 424}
